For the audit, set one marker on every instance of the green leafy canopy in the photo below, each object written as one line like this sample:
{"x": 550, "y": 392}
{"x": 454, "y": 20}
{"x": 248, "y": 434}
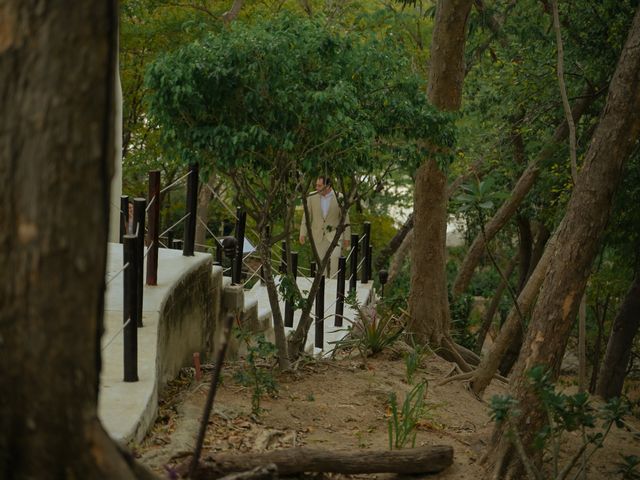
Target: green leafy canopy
{"x": 291, "y": 89}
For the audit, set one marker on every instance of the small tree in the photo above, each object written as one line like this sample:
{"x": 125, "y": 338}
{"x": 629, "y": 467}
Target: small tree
{"x": 275, "y": 103}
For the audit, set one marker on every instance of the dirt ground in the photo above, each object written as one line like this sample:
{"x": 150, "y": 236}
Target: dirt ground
{"x": 342, "y": 404}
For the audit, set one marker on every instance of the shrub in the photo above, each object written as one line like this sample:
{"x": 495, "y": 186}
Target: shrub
{"x": 372, "y": 331}
{"x": 565, "y": 413}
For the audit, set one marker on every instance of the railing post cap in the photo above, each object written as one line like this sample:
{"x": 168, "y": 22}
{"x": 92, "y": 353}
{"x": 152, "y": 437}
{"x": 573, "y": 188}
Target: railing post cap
{"x": 229, "y": 244}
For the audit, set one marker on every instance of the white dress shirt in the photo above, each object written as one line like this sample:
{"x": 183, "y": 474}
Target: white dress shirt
{"x": 325, "y": 201}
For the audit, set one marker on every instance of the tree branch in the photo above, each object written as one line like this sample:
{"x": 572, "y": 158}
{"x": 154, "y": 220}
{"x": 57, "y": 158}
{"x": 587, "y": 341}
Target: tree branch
{"x": 563, "y": 93}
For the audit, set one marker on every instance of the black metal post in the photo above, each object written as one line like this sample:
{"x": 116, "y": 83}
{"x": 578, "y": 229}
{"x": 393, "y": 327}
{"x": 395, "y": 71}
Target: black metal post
{"x": 124, "y": 216}
{"x": 192, "y": 206}
{"x": 366, "y": 236}
{"x": 130, "y": 309}
{"x": 266, "y": 238}
{"x": 241, "y": 222}
{"x": 313, "y": 269}
{"x": 288, "y": 308}
{"x": 229, "y": 244}
{"x": 369, "y": 262}
{"x": 170, "y": 239}
{"x": 218, "y": 253}
{"x": 154, "y": 227}
{"x": 139, "y": 212}
{"x": 320, "y": 315}
{"x": 383, "y": 276}
{"x": 283, "y": 261}
{"x": 342, "y": 273}
{"x": 354, "y": 263}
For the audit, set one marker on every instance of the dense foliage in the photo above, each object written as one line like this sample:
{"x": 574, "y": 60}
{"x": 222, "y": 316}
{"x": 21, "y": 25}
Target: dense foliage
{"x": 339, "y": 88}
{"x": 291, "y": 91}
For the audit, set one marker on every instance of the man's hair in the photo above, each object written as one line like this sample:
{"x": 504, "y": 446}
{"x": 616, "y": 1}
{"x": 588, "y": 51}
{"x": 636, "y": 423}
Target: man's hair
{"x": 326, "y": 180}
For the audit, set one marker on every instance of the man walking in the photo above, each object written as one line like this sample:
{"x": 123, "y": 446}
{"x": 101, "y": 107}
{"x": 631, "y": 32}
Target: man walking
{"x": 324, "y": 213}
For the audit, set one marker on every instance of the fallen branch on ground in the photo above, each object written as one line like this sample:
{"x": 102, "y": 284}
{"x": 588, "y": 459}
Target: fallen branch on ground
{"x": 429, "y": 459}
{"x": 467, "y": 376}
{"x": 267, "y": 472}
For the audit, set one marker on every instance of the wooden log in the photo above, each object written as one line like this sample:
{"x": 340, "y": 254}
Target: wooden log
{"x": 429, "y": 459}
{"x": 268, "y": 472}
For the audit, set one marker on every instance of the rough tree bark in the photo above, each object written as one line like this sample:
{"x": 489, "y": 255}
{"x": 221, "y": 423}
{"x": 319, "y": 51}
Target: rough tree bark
{"x": 572, "y": 252}
{"x": 625, "y": 328}
{"x": 231, "y": 14}
{"x": 446, "y": 70}
{"x": 518, "y": 193}
{"x": 525, "y": 249}
{"x": 428, "y": 459}
{"x": 542, "y": 235}
{"x": 514, "y": 345}
{"x": 56, "y": 159}
{"x": 428, "y": 300}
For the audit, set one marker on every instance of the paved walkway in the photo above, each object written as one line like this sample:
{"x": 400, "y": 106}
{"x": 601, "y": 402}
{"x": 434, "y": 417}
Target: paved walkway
{"x": 331, "y": 333}
{"x": 127, "y": 409}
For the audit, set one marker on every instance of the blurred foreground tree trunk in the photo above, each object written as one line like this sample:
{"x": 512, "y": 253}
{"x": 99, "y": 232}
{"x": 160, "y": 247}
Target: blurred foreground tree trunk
{"x": 57, "y": 72}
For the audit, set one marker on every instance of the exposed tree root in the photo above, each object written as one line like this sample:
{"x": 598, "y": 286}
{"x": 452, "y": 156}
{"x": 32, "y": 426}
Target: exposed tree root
{"x": 450, "y": 352}
{"x": 467, "y": 376}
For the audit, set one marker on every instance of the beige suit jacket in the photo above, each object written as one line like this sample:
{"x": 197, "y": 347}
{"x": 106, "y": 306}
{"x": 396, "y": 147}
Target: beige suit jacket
{"x": 324, "y": 228}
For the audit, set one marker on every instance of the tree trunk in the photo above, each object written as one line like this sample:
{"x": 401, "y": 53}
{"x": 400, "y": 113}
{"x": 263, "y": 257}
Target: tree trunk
{"x": 597, "y": 355}
{"x": 582, "y": 344}
{"x": 394, "y": 245}
{"x": 542, "y": 237}
{"x": 572, "y": 251}
{"x": 56, "y": 158}
{"x": 428, "y": 299}
{"x": 446, "y": 71}
{"x": 513, "y": 350}
{"x": 520, "y": 190}
{"x": 530, "y": 255}
{"x": 264, "y": 249}
{"x": 525, "y": 249}
{"x": 625, "y": 328}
